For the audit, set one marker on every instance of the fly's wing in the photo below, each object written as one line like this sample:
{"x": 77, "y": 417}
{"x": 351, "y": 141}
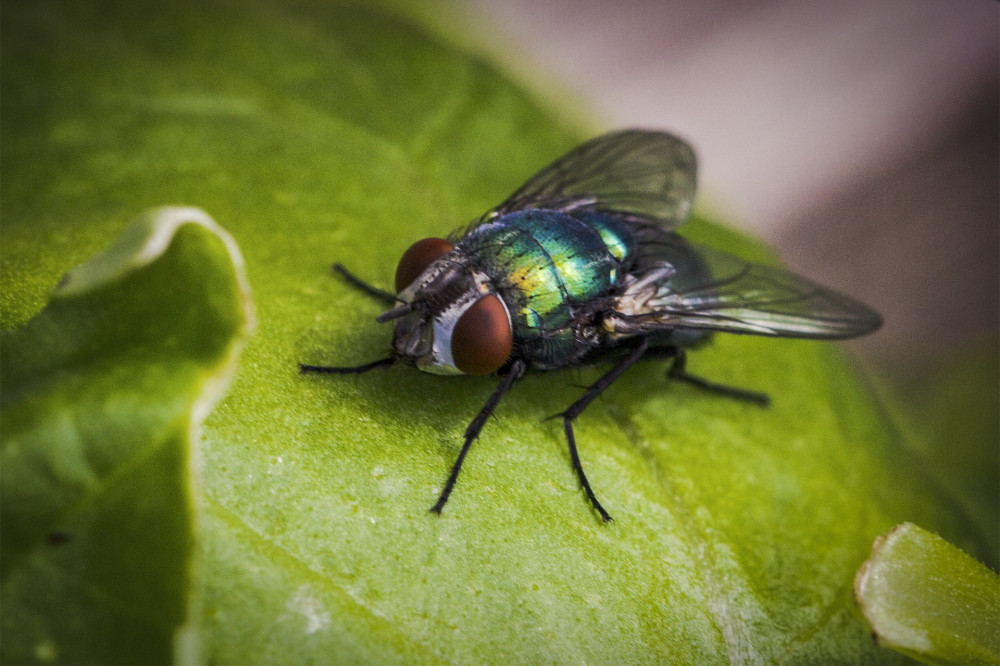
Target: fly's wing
{"x": 693, "y": 287}
{"x": 638, "y": 175}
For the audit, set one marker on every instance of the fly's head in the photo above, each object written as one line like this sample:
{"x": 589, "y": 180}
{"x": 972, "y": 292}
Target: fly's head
{"x": 448, "y": 319}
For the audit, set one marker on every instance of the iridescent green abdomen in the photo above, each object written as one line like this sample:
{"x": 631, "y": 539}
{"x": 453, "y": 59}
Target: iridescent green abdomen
{"x": 548, "y": 266}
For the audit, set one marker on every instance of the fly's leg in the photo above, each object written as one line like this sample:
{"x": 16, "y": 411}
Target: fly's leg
{"x": 350, "y": 370}
{"x": 380, "y": 294}
{"x": 678, "y": 371}
{"x": 577, "y": 408}
{"x": 358, "y": 283}
{"x": 472, "y": 432}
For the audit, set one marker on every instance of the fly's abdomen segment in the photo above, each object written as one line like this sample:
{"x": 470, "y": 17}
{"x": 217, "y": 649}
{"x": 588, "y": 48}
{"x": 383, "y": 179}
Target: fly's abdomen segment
{"x": 551, "y": 268}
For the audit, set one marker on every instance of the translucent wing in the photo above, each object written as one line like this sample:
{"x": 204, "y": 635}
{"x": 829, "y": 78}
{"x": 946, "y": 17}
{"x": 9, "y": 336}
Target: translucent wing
{"x": 683, "y": 285}
{"x": 636, "y": 174}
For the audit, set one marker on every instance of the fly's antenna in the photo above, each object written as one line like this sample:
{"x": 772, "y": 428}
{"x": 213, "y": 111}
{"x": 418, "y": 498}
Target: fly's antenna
{"x": 396, "y": 312}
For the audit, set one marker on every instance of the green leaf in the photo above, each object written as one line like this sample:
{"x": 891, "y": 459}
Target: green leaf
{"x": 101, "y": 393}
{"x": 947, "y": 408}
{"x": 926, "y": 598}
{"x": 334, "y": 131}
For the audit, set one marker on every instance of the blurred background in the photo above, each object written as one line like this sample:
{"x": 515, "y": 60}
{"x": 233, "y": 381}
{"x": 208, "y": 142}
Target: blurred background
{"x": 859, "y": 138}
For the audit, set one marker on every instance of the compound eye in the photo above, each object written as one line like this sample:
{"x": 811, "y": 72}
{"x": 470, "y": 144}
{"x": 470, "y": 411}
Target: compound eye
{"x": 417, "y": 258}
{"x": 481, "y": 340}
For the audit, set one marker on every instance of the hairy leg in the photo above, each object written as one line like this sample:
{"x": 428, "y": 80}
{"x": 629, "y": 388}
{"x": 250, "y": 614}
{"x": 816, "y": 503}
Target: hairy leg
{"x": 679, "y": 371}
{"x": 358, "y": 283}
{"x": 472, "y": 431}
{"x": 581, "y": 404}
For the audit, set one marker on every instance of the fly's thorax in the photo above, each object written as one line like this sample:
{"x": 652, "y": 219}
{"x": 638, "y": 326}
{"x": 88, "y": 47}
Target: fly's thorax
{"x": 641, "y": 290}
{"x": 456, "y": 323}
{"x": 552, "y": 269}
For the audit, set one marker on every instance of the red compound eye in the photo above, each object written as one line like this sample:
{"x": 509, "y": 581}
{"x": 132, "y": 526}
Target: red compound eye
{"x": 482, "y": 339}
{"x": 416, "y": 260}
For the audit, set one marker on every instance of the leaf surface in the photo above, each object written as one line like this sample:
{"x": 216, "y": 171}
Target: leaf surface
{"x": 926, "y": 598}
{"x": 320, "y": 132}
{"x": 102, "y": 394}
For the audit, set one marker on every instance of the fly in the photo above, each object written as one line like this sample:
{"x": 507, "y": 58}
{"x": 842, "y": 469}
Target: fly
{"x": 582, "y": 265}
